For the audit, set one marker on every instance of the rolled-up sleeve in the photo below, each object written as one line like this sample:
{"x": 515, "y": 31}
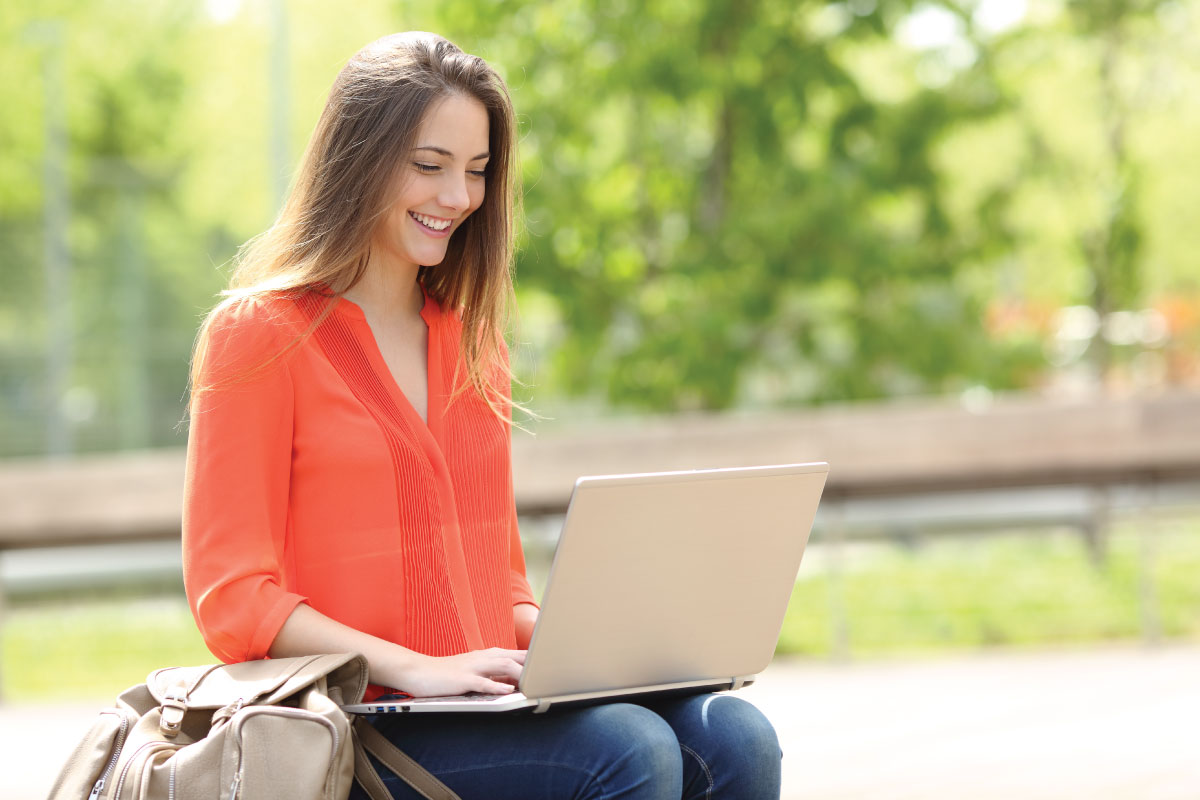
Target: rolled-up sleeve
{"x": 235, "y": 513}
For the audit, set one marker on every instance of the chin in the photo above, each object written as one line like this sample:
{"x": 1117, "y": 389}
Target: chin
{"x": 430, "y": 262}
{"x": 426, "y": 258}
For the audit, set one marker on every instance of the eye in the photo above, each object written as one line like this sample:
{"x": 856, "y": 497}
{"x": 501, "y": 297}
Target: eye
{"x": 479, "y": 173}
{"x": 421, "y": 167}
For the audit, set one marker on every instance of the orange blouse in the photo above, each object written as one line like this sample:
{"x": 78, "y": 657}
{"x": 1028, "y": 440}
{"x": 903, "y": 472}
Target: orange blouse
{"x": 312, "y": 479}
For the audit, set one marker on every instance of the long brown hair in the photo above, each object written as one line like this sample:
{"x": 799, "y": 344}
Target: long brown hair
{"x": 322, "y": 237}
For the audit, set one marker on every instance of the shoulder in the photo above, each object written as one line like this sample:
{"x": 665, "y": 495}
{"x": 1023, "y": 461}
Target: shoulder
{"x": 248, "y": 331}
{"x": 254, "y": 315}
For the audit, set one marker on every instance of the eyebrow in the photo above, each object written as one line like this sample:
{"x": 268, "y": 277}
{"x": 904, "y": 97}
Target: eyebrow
{"x": 444, "y": 152}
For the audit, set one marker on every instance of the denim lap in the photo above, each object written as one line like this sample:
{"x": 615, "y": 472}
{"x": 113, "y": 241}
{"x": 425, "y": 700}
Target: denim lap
{"x": 729, "y": 749}
{"x": 703, "y": 746}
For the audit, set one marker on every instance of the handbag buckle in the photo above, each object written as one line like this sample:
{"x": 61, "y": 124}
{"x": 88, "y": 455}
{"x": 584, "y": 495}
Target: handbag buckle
{"x": 171, "y": 712}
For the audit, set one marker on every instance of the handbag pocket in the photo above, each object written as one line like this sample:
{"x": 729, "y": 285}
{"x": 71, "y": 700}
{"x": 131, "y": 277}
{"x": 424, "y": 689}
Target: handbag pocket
{"x": 146, "y": 773}
{"x": 276, "y": 753}
{"x": 90, "y": 768}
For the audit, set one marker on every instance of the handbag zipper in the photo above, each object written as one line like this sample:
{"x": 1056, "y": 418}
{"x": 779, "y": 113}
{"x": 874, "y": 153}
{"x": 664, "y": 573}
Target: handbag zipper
{"x": 98, "y": 787}
{"x": 132, "y": 758}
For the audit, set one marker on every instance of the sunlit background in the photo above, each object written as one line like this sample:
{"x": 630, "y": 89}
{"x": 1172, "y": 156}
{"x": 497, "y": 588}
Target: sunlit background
{"x": 733, "y": 209}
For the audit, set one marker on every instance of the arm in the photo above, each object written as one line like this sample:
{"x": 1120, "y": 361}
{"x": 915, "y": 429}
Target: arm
{"x": 493, "y": 671}
{"x": 524, "y": 617}
{"x": 525, "y": 608}
{"x": 236, "y": 487}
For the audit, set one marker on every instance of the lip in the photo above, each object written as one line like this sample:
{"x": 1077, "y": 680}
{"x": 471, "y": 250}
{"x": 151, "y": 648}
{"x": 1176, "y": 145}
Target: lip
{"x": 430, "y": 231}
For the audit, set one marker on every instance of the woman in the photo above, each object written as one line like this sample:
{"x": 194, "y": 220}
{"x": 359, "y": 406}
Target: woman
{"x": 349, "y": 487}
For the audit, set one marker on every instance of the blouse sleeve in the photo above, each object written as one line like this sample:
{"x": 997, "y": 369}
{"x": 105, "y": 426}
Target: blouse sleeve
{"x": 236, "y": 487}
{"x": 521, "y": 592}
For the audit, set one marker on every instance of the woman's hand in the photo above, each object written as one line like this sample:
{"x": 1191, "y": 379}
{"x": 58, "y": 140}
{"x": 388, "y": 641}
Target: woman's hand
{"x": 495, "y": 671}
{"x": 492, "y": 671}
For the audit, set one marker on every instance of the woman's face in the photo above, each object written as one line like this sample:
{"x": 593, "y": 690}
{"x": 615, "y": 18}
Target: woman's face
{"x": 439, "y": 187}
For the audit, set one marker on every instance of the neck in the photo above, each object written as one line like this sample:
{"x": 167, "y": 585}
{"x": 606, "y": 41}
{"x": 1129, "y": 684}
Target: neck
{"x": 387, "y": 289}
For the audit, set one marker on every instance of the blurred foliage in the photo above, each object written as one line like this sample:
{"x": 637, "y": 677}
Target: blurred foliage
{"x": 722, "y": 208}
{"x": 734, "y": 203}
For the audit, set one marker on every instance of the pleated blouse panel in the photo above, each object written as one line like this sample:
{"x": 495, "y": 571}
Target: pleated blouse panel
{"x": 401, "y": 571}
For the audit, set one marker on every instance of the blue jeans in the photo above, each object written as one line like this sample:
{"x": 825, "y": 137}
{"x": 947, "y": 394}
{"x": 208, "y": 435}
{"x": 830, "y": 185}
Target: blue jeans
{"x": 700, "y": 746}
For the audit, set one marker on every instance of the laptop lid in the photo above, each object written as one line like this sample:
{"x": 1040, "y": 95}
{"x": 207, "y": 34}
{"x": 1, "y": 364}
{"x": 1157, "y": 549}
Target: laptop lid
{"x": 671, "y": 578}
{"x": 660, "y": 581}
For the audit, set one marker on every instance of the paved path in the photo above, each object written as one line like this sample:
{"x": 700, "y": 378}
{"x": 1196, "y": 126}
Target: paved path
{"x": 1113, "y": 724}
{"x": 1106, "y": 725}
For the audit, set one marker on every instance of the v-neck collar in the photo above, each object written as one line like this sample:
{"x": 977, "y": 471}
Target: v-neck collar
{"x": 428, "y": 429}
{"x": 357, "y": 354}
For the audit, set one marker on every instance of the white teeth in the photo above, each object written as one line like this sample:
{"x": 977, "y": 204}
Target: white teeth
{"x": 431, "y": 222}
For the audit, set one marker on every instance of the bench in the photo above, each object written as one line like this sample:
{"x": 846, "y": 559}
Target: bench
{"x": 1095, "y": 449}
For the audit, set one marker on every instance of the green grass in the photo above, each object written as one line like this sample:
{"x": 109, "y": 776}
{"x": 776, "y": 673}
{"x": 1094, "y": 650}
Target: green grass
{"x": 946, "y": 595}
{"x": 94, "y": 649}
{"x": 995, "y": 591}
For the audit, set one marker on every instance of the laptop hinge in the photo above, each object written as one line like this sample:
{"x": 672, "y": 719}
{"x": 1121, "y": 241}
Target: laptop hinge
{"x": 542, "y": 707}
{"x": 737, "y": 683}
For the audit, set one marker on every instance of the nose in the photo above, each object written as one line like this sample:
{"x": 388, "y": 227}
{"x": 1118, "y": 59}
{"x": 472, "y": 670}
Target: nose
{"x": 454, "y": 194}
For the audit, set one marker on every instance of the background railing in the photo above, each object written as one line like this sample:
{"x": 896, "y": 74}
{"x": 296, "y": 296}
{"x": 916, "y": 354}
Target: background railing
{"x": 902, "y": 474}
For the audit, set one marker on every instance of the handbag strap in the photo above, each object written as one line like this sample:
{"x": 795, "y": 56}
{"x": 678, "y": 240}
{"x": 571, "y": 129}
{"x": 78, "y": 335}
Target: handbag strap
{"x": 368, "y": 740}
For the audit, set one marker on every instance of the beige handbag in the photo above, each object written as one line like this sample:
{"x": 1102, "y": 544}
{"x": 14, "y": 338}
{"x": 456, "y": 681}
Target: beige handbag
{"x": 259, "y": 730}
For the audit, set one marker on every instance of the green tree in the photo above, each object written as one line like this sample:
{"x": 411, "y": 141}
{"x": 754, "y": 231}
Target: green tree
{"x": 1087, "y": 158}
{"x": 122, "y": 82}
{"x": 729, "y": 203}
{"x": 726, "y": 212}
{"x": 1112, "y": 246}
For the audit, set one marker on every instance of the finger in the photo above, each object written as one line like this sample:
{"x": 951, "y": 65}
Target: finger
{"x": 515, "y": 655}
{"x": 488, "y": 686}
{"x": 502, "y": 679}
{"x": 506, "y": 667}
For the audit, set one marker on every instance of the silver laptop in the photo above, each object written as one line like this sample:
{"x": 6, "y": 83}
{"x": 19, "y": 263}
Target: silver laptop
{"x": 661, "y": 582}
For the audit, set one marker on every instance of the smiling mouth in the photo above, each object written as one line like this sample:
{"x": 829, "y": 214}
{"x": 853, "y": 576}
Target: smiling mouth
{"x": 432, "y": 223}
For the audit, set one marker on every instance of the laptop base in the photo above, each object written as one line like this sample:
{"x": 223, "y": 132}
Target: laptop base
{"x": 509, "y": 703}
